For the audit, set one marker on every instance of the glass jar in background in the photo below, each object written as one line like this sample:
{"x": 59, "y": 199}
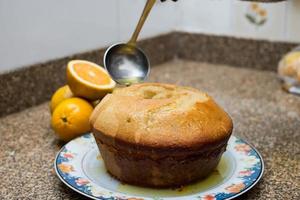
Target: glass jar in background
{"x": 289, "y": 71}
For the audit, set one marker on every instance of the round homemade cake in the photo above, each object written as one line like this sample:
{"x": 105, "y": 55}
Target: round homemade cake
{"x": 160, "y": 135}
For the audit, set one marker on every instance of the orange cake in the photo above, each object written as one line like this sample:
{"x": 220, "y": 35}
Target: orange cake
{"x": 160, "y": 135}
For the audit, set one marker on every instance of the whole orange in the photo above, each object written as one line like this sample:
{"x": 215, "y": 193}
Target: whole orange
{"x": 60, "y": 95}
{"x": 70, "y": 118}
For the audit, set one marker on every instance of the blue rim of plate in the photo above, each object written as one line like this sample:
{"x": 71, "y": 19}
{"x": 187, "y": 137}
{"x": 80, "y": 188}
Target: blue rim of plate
{"x": 83, "y": 189}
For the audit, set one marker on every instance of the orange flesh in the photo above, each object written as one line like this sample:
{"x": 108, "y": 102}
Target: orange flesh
{"x": 91, "y": 74}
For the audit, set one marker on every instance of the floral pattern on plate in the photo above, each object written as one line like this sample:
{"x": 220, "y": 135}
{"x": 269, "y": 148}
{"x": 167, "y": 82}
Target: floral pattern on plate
{"x": 247, "y": 168}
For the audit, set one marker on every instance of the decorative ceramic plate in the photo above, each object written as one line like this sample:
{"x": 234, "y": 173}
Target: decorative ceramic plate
{"x": 79, "y": 165}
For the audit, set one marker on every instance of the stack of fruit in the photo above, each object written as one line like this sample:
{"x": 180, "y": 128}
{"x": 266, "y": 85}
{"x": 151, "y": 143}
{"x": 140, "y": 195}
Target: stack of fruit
{"x": 72, "y": 104}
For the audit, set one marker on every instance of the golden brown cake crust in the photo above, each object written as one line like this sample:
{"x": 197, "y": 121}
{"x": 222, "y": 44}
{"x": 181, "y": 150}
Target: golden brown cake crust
{"x": 161, "y": 116}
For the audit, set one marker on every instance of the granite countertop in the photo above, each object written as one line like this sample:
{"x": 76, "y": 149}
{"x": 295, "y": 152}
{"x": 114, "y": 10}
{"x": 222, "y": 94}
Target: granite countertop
{"x": 263, "y": 114}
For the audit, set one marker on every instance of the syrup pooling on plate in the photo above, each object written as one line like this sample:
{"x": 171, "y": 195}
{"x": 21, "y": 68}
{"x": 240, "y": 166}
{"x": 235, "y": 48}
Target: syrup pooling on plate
{"x": 222, "y": 172}
{"x": 94, "y": 169}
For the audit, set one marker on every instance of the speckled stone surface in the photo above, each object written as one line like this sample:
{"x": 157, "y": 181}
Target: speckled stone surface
{"x": 238, "y": 52}
{"x": 263, "y": 114}
{"x": 35, "y": 84}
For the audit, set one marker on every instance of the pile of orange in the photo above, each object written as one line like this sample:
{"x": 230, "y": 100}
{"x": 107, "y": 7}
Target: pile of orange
{"x": 71, "y": 105}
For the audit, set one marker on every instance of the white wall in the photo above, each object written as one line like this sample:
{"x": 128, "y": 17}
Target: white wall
{"x": 163, "y": 18}
{"x": 33, "y": 31}
{"x": 229, "y": 17}
{"x": 205, "y": 16}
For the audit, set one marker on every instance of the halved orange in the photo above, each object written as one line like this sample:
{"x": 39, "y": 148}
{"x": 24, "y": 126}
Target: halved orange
{"x": 88, "y": 80}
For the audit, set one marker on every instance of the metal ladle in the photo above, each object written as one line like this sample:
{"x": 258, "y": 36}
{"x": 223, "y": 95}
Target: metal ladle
{"x": 125, "y": 62}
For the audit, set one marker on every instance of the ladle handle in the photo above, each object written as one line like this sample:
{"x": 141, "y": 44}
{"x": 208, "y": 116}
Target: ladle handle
{"x": 142, "y": 20}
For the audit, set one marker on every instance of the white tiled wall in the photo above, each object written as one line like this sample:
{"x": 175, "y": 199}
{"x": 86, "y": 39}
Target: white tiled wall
{"x": 162, "y": 19}
{"x": 35, "y": 31}
{"x": 229, "y": 17}
{"x": 293, "y": 21}
{"x": 205, "y": 16}
{"x": 273, "y": 27}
